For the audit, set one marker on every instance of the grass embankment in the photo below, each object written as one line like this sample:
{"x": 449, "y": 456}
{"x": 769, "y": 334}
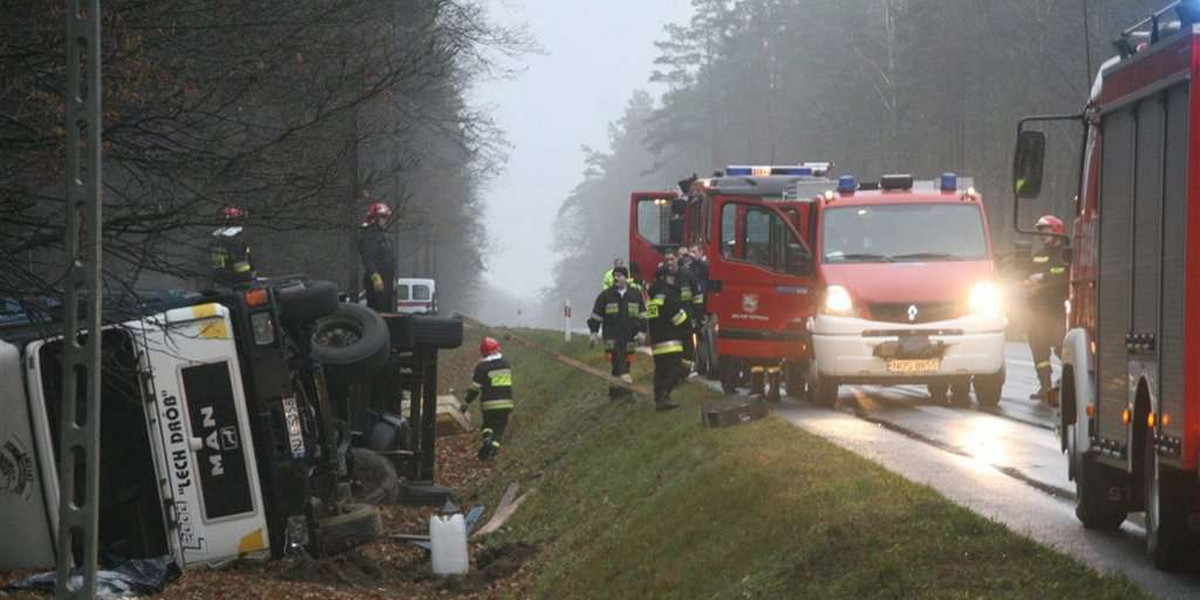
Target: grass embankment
{"x": 630, "y": 503}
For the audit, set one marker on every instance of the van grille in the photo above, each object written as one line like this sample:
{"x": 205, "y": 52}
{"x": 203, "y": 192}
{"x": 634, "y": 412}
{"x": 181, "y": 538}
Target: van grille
{"x": 927, "y": 312}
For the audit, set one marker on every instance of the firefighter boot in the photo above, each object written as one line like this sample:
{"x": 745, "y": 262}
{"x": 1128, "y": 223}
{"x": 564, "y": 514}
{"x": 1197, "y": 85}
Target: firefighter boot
{"x": 1044, "y": 383}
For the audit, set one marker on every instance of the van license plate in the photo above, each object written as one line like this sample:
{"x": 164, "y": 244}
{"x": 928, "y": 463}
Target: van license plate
{"x": 914, "y": 367}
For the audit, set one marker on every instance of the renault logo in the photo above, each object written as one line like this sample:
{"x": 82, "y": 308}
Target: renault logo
{"x": 912, "y": 312}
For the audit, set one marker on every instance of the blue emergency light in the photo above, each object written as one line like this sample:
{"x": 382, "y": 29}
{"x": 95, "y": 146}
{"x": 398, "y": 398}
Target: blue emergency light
{"x": 949, "y": 182}
{"x": 846, "y": 184}
{"x": 763, "y": 171}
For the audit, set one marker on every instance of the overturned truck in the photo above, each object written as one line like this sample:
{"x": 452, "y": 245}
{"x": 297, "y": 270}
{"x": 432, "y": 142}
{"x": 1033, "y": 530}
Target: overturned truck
{"x": 239, "y": 423}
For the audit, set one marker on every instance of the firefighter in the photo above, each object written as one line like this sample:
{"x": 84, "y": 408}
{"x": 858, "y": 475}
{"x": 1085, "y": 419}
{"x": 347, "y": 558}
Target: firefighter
{"x": 667, "y": 322}
{"x": 229, "y": 250}
{"x": 621, "y": 311}
{"x": 493, "y": 382}
{"x": 618, "y": 262}
{"x": 378, "y": 255}
{"x": 691, "y": 301}
{"x": 1047, "y": 294}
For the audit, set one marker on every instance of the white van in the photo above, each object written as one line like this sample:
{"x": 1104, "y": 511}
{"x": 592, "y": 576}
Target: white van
{"x": 416, "y": 296}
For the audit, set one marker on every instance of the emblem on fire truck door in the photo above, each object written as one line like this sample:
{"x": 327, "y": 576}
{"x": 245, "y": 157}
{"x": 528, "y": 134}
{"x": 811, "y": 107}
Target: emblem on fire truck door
{"x": 913, "y": 311}
{"x": 750, "y": 303}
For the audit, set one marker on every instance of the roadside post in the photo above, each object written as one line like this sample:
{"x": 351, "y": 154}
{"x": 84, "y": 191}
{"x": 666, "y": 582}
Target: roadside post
{"x": 567, "y": 320}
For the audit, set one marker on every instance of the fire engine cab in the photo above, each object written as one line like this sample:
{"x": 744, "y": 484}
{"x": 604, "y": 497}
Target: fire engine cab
{"x": 905, "y": 270}
{"x": 760, "y": 280}
{"x": 1131, "y": 358}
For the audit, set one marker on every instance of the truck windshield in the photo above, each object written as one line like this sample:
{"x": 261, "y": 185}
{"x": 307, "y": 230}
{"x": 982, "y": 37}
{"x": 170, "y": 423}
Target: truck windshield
{"x": 903, "y": 233}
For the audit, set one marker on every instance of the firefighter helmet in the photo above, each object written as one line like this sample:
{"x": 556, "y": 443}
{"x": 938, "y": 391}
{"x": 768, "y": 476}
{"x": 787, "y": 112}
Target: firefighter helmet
{"x": 1053, "y": 223}
{"x": 231, "y": 212}
{"x": 378, "y": 212}
{"x": 488, "y": 346}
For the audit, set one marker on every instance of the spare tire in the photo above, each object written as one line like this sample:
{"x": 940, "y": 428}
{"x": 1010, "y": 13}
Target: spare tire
{"x": 353, "y": 341}
{"x": 307, "y": 301}
{"x": 357, "y": 524}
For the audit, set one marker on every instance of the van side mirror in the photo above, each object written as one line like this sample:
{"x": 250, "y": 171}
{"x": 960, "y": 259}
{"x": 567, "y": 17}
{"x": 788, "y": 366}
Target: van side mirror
{"x": 1027, "y": 164}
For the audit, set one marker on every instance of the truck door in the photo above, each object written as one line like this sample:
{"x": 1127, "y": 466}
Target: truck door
{"x": 656, "y": 224}
{"x": 760, "y": 281}
{"x": 201, "y": 433}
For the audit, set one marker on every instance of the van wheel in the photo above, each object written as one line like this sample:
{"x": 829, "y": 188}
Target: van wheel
{"x": 374, "y": 479}
{"x": 821, "y": 391}
{"x": 960, "y": 392}
{"x": 1167, "y": 538}
{"x": 357, "y": 525}
{"x": 1094, "y": 507}
{"x": 939, "y": 393}
{"x": 989, "y": 389}
{"x": 307, "y": 301}
{"x": 353, "y": 341}
{"x": 796, "y": 386}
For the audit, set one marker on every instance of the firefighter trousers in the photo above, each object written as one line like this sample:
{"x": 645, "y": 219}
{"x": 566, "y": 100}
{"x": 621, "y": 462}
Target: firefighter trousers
{"x": 668, "y": 371}
{"x": 620, "y": 356}
{"x": 495, "y": 421}
{"x": 1046, "y": 332}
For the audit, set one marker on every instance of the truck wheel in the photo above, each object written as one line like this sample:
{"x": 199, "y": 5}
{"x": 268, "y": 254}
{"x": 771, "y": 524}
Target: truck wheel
{"x": 821, "y": 391}
{"x": 989, "y": 389}
{"x": 1094, "y": 507}
{"x": 939, "y": 393}
{"x": 729, "y": 375}
{"x": 353, "y": 341}
{"x": 373, "y": 479}
{"x": 307, "y": 301}
{"x": 357, "y": 525}
{"x": 1168, "y": 541}
{"x": 796, "y": 386}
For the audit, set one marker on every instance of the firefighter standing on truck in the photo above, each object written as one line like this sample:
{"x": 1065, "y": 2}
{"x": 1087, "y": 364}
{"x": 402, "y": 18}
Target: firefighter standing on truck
{"x": 493, "y": 382}
{"x": 379, "y": 259}
{"x": 229, "y": 250}
{"x": 667, "y": 322}
{"x": 1047, "y": 294}
{"x": 621, "y": 311}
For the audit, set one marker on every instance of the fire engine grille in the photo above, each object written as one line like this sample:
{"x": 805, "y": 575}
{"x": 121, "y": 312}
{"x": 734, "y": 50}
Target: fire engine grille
{"x": 926, "y": 312}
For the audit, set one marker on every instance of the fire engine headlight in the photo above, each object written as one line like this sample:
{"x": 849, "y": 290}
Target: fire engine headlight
{"x": 985, "y": 300}
{"x": 838, "y": 302}
{"x": 264, "y": 329}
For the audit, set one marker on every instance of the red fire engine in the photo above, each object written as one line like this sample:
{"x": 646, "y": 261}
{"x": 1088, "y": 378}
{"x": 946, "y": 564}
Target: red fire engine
{"x": 1131, "y": 358}
{"x": 759, "y": 291}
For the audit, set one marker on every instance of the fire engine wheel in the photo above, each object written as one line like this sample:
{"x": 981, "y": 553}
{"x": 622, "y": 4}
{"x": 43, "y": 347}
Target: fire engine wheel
{"x": 1093, "y": 506}
{"x": 1168, "y": 541}
{"x": 729, "y": 375}
{"x": 307, "y": 301}
{"x": 374, "y": 479}
{"x": 989, "y": 389}
{"x": 353, "y": 340}
{"x": 357, "y": 525}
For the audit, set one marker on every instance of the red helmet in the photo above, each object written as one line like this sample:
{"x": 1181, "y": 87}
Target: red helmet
{"x": 232, "y": 212}
{"x": 1053, "y": 223}
{"x": 378, "y": 212}
{"x": 488, "y": 346}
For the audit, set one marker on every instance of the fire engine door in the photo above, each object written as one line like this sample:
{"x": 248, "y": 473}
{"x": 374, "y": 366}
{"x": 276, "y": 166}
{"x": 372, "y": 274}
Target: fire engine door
{"x": 656, "y": 225}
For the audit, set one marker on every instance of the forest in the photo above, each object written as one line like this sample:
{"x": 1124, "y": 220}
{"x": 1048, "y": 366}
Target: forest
{"x": 875, "y": 86}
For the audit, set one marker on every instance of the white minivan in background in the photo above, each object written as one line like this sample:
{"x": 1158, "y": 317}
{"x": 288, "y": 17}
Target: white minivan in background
{"x": 416, "y": 296}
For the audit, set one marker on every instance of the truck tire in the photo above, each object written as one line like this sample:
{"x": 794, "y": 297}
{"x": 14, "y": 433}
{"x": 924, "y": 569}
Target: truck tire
{"x": 1093, "y": 505}
{"x": 989, "y": 389}
{"x": 307, "y": 301}
{"x": 821, "y": 391}
{"x": 1168, "y": 540}
{"x": 357, "y": 525}
{"x": 373, "y": 479}
{"x": 353, "y": 341}
{"x": 729, "y": 375}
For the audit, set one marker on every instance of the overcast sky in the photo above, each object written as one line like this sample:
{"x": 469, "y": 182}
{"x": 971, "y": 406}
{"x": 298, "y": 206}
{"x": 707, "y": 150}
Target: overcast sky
{"x": 597, "y": 54}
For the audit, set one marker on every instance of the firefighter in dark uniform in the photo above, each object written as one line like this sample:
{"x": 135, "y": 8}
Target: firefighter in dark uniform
{"x": 229, "y": 250}
{"x": 494, "y": 383}
{"x": 621, "y": 311}
{"x": 667, "y": 322}
{"x": 1047, "y": 289}
{"x": 379, "y": 259}
{"x": 685, "y": 283}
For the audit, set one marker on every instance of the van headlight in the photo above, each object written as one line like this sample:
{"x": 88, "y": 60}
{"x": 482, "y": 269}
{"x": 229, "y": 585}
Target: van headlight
{"x": 985, "y": 300}
{"x": 264, "y": 328}
{"x": 838, "y": 302}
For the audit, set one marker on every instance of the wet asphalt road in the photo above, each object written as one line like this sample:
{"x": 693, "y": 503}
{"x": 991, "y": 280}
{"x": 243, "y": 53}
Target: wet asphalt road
{"x": 1004, "y": 464}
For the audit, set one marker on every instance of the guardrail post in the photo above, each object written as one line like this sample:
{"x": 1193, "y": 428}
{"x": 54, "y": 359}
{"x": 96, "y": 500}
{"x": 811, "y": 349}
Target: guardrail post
{"x": 567, "y": 320}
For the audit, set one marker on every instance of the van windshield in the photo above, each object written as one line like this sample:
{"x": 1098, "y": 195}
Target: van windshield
{"x": 903, "y": 233}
